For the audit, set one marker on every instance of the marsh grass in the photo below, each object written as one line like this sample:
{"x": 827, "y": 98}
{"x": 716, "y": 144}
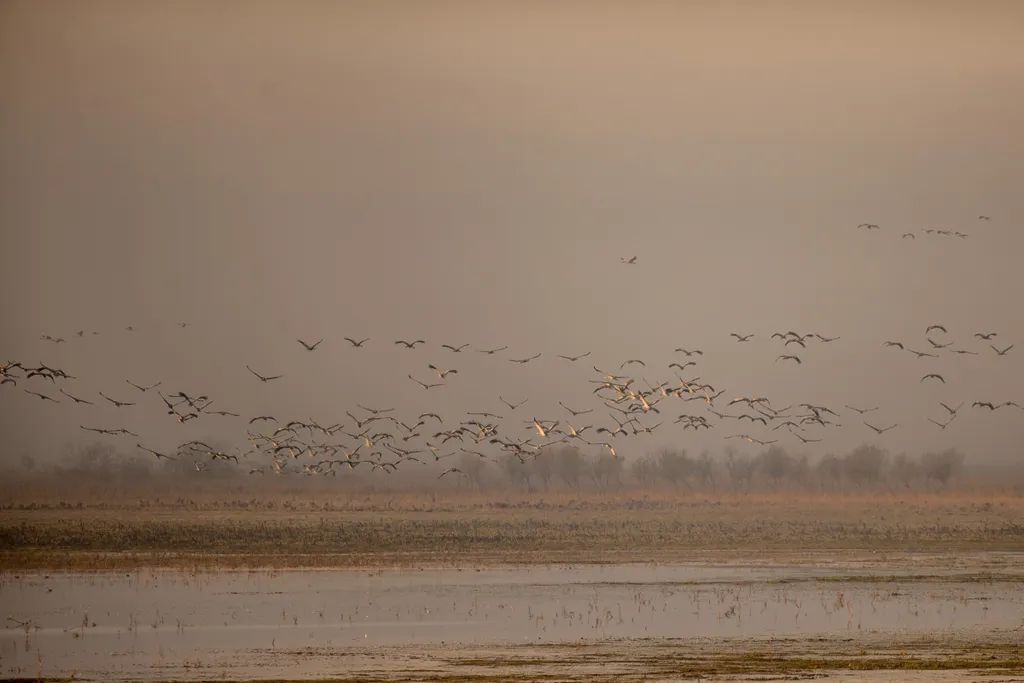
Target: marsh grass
{"x": 473, "y": 529}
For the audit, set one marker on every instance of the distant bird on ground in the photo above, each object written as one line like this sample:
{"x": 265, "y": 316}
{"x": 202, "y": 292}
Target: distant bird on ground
{"x": 357, "y": 344}
{"x": 143, "y": 389}
{"x": 1003, "y": 352}
{"x": 785, "y": 357}
{"x": 454, "y": 349}
{"x": 933, "y": 375}
{"x": 261, "y": 377}
{"x": 119, "y": 404}
{"x": 575, "y": 358}
{"x": 523, "y": 361}
{"x": 740, "y": 337}
{"x": 409, "y": 344}
{"x": 878, "y": 430}
{"x": 629, "y": 261}
{"x": 309, "y": 347}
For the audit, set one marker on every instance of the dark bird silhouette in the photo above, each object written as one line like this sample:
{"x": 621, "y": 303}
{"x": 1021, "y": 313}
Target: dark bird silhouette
{"x": 409, "y": 344}
{"x": 935, "y": 327}
{"x": 309, "y": 347}
{"x": 44, "y": 397}
{"x": 1003, "y": 352}
{"x": 357, "y": 344}
{"x": 862, "y": 410}
{"x": 893, "y": 343}
{"x": 266, "y": 418}
{"x": 143, "y": 389}
{"x": 119, "y": 404}
{"x": 523, "y": 361}
{"x": 575, "y": 413}
{"x": 491, "y": 352}
{"x": 453, "y": 470}
{"x": 575, "y": 358}
{"x": 690, "y": 353}
{"x": 76, "y": 399}
{"x": 441, "y": 374}
{"x": 425, "y": 386}
{"x": 629, "y": 261}
{"x": 985, "y": 335}
{"x": 922, "y": 354}
{"x": 261, "y": 377}
{"x": 952, "y": 411}
{"x": 933, "y": 375}
{"x": 156, "y": 453}
{"x": 740, "y": 337}
{"x": 880, "y": 431}
{"x": 785, "y": 357}
{"x": 454, "y": 349}
{"x": 513, "y": 406}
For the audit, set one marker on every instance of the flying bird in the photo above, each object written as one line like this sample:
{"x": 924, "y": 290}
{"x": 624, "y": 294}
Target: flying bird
{"x": 409, "y": 344}
{"x": 952, "y": 411}
{"x": 143, "y": 389}
{"x": 933, "y": 375}
{"x": 785, "y": 357}
{"x": 261, "y": 377}
{"x": 425, "y": 386}
{"x": 740, "y": 337}
{"x": 523, "y": 361}
{"x": 44, "y": 397}
{"x": 454, "y": 349}
{"x": 309, "y": 347}
{"x": 119, "y": 404}
{"x": 441, "y": 374}
{"x": 878, "y": 430}
{"x": 513, "y": 406}
{"x": 491, "y": 352}
{"x": 575, "y": 358}
{"x": 75, "y": 399}
{"x": 357, "y": 344}
{"x": 935, "y": 327}
{"x": 894, "y": 343}
{"x": 690, "y": 353}
{"x": 156, "y": 453}
{"x": 575, "y": 413}
{"x": 985, "y": 335}
{"x": 862, "y": 410}
{"x": 630, "y": 261}
{"x": 1003, "y": 352}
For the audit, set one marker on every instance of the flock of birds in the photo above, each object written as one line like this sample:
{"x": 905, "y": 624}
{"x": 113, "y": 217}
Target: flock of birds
{"x": 375, "y": 438}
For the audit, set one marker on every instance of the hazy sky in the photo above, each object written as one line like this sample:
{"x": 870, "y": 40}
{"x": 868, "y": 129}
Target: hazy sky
{"x": 473, "y": 172}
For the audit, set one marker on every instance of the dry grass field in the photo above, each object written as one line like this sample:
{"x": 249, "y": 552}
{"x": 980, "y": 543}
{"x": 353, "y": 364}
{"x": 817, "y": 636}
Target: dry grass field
{"x": 262, "y": 525}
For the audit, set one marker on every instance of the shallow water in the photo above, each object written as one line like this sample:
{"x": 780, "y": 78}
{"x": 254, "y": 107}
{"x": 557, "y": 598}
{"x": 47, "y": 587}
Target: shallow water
{"x": 163, "y": 625}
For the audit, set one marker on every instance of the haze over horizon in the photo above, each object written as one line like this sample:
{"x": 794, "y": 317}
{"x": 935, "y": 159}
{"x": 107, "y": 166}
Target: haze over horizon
{"x": 459, "y": 173}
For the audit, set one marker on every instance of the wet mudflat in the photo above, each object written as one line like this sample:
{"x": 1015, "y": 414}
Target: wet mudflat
{"x": 675, "y": 622}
